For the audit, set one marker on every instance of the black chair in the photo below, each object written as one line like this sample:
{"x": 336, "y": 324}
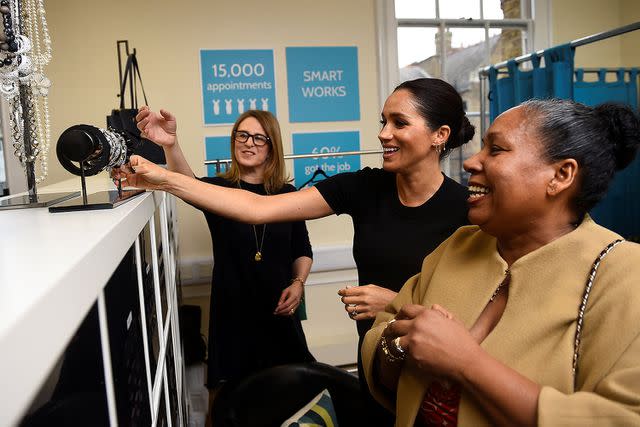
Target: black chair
{"x": 269, "y": 397}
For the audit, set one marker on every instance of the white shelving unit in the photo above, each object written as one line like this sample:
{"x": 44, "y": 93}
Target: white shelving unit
{"x": 54, "y": 267}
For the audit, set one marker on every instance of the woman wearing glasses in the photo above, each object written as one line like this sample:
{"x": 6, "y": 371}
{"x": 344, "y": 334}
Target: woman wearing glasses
{"x": 259, "y": 269}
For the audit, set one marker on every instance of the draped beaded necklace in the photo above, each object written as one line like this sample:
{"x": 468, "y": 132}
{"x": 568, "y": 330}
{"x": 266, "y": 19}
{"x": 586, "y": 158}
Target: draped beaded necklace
{"x": 25, "y": 49}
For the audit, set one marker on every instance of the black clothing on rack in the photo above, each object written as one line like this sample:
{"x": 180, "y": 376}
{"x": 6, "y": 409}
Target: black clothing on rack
{"x": 317, "y": 173}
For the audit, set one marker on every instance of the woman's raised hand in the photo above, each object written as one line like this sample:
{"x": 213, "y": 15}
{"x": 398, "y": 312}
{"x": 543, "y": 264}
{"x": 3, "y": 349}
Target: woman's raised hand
{"x": 157, "y": 127}
{"x": 364, "y": 302}
{"x": 436, "y": 340}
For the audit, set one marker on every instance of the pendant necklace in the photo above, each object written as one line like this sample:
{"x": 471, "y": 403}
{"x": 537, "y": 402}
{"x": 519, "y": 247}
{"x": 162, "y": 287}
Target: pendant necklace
{"x": 258, "y": 256}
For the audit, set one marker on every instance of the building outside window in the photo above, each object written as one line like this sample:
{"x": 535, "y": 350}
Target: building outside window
{"x": 452, "y": 40}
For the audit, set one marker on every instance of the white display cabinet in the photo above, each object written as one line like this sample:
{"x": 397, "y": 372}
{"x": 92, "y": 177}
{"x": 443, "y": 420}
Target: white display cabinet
{"x": 54, "y": 272}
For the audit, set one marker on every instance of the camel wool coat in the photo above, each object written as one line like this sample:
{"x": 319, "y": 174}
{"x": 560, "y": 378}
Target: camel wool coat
{"x": 536, "y": 333}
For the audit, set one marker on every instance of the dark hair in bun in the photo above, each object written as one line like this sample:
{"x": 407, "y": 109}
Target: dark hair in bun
{"x": 602, "y": 140}
{"x": 624, "y": 132}
{"x": 440, "y": 104}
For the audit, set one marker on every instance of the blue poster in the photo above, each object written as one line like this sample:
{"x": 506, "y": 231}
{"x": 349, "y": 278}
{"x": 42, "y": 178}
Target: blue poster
{"x": 234, "y": 81}
{"x": 323, "y": 84}
{"x": 322, "y": 143}
{"x": 216, "y": 148}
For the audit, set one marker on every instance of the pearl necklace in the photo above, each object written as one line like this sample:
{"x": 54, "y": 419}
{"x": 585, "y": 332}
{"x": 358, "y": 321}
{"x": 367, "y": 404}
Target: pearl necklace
{"x": 23, "y": 57}
{"x": 39, "y": 84}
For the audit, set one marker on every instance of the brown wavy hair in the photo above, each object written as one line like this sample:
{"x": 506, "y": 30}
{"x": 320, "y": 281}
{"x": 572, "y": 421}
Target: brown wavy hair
{"x": 275, "y": 174}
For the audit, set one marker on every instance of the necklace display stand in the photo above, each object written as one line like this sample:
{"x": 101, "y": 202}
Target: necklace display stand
{"x": 100, "y": 200}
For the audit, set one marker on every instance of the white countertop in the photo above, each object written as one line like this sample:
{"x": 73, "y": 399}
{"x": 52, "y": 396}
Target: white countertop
{"x": 52, "y": 268}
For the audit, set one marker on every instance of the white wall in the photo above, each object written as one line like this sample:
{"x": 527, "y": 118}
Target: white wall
{"x": 574, "y": 19}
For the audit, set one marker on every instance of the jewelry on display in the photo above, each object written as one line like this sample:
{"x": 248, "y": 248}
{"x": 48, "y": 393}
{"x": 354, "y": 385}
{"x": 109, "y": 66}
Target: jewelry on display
{"x": 22, "y": 61}
{"x": 258, "y": 256}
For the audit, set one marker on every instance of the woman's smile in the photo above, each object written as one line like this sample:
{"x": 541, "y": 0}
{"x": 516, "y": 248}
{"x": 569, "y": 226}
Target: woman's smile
{"x": 477, "y": 192}
{"x": 389, "y": 151}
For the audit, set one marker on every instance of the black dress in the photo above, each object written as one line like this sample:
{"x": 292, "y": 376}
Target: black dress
{"x": 391, "y": 240}
{"x": 244, "y": 334}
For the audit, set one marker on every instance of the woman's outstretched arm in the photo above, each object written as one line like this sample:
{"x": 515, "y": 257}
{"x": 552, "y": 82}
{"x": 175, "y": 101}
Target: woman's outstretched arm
{"x": 237, "y": 204}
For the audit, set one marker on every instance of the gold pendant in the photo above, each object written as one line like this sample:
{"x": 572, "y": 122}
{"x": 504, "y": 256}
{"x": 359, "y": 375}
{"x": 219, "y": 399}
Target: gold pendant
{"x": 258, "y": 256}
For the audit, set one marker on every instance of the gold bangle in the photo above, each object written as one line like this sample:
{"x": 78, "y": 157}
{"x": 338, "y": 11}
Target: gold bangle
{"x": 297, "y": 279}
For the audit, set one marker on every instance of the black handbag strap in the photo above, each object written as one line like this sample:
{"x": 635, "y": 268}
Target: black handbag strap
{"x": 131, "y": 70}
{"x": 583, "y": 306}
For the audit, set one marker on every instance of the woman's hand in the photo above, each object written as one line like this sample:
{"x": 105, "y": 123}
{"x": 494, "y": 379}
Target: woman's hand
{"x": 157, "y": 127}
{"x": 364, "y": 302}
{"x": 142, "y": 173}
{"x": 289, "y": 299}
{"x": 435, "y": 340}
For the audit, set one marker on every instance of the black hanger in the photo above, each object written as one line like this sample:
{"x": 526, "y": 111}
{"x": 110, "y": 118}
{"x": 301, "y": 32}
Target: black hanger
{"x": 316, "y": 173}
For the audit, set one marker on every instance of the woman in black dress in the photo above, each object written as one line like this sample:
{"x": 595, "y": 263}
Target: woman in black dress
{"x": 259, "y": 270}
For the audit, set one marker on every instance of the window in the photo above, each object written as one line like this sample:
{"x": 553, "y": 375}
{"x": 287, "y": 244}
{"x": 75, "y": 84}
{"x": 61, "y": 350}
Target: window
{"x": 452, "y": 40}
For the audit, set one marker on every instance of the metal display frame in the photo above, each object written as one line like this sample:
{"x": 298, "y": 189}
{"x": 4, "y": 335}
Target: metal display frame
{"x": 219, "y": 162}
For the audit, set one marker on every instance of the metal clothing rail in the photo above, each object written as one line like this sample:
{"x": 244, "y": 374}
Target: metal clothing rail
{"x": 575, "y": 43}
{"x": 218, "y": 162}
{"x": 484, "y": 72}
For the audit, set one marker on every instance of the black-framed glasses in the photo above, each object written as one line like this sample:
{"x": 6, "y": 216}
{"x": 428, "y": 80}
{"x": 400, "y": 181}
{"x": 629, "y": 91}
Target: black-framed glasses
{"x": 258, "y": 139}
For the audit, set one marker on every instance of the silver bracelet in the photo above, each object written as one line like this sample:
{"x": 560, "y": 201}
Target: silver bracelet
{"x": 385, "y": 348}
{"x": 399, "y": 349}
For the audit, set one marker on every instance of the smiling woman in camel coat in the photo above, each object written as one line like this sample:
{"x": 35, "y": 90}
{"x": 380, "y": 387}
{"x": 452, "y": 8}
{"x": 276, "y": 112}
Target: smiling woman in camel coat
{"x": 536, "y": 333}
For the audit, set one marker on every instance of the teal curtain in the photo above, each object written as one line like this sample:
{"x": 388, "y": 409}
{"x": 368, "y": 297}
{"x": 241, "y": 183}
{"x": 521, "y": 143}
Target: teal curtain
{"x": 554, "y": 80}
{"x": 619, "y": 210}
{"x": 623, "y": 89}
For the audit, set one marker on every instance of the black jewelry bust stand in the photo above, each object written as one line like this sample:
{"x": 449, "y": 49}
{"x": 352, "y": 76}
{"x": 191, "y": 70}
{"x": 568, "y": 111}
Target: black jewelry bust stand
{"x": 100, "y": 200}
